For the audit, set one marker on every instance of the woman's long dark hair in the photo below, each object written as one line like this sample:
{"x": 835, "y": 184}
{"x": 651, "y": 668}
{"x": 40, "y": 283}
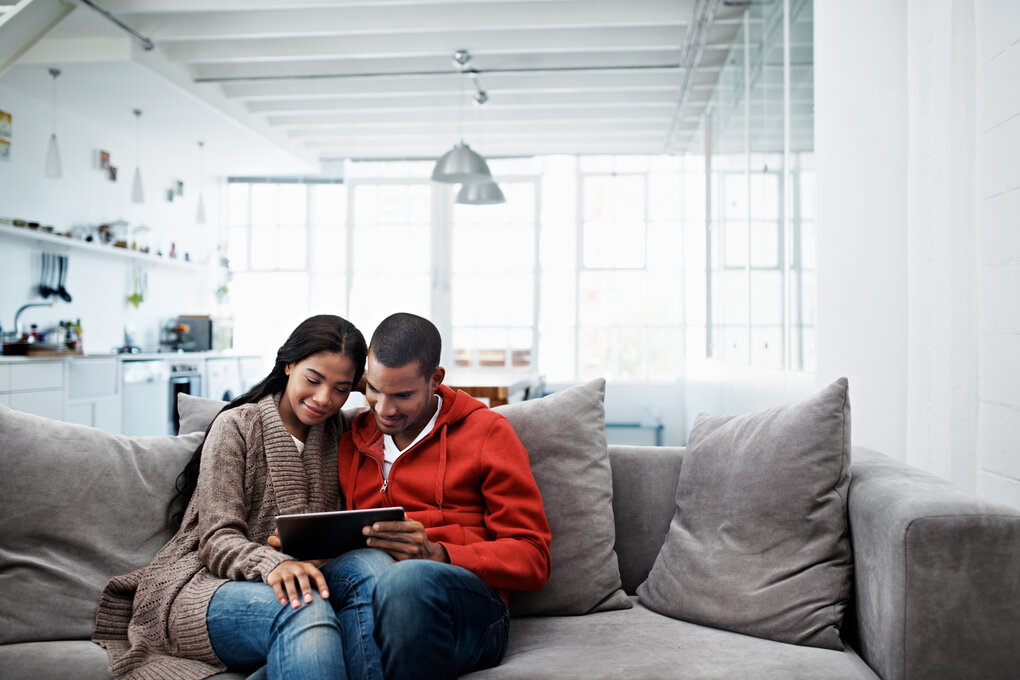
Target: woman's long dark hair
{"x": 322, "y": 333}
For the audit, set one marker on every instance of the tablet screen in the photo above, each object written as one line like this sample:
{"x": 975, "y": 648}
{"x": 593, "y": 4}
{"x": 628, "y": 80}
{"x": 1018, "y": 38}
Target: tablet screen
{"x": 324, "y": 535}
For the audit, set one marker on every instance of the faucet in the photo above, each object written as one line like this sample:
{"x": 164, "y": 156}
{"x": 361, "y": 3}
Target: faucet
{"x": 17, "y": 315}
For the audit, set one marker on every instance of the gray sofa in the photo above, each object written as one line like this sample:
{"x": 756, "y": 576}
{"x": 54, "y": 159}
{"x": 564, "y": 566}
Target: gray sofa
{"x": 934, "y": 594}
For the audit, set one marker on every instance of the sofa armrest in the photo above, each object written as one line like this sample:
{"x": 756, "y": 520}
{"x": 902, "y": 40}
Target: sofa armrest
{"x": 937, "y": 575}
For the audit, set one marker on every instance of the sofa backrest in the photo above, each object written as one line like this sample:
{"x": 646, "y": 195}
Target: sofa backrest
{"x": 644, "y": 501}
{"x": 79, "y": 507}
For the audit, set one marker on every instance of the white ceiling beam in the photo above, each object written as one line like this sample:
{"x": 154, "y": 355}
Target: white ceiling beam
{"x": 79, "y": 50}
{"x": 574, "y": 113}
{"x": 408, "y": 133}
{"x": 497, "y": 100}
{"x": 495, "y": 82}
{"x": 442, "y": 18}
{"x": 480, "y": 43}
{"x": 435, "y": 64}
{"x": 512, "y": 149}
{"x": 24, "y": 24}
{"x": 171, "y": 6}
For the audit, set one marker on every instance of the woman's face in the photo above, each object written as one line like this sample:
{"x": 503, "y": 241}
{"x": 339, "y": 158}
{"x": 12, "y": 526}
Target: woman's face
{"x": 317, "y": 387}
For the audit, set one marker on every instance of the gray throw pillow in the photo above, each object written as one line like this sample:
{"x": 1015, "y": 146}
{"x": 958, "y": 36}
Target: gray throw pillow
{"x": 196, "y": 413}
{"x": 564, "y": 434}
{"x": 759, "y": 543}
{"x": 80, "y": 506}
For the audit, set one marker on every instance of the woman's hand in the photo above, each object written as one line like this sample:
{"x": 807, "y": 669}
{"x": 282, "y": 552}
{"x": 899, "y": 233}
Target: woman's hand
{"x": 404, "y": 540}
{"x": 292, "y": 580}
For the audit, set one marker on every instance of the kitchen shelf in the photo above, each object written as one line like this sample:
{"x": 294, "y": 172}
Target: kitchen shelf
{"x": 57, "y": 242}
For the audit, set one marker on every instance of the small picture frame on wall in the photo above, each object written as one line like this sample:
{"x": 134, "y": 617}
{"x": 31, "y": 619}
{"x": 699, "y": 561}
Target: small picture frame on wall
{"x": 104, "y": 160}
{"x": 180, "y": 188}
{"x": 112, "y": 171}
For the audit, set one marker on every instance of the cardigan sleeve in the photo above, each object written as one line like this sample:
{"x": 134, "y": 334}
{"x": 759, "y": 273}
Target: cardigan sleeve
{"x": 225, "y": 544}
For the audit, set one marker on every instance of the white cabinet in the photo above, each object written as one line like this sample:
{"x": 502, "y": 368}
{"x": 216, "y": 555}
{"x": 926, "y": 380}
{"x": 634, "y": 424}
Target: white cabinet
{"x": 34, "y": 387}
{"x": 93, "y": 393}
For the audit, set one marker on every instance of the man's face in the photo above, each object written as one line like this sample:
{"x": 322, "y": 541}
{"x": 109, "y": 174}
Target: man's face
{"x": 401, "y": 398}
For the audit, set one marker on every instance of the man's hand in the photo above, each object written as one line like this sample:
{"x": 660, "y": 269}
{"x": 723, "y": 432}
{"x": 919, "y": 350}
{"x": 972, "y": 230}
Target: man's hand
{"x": 292, "y": 580}
{"x": 405, "y": 540}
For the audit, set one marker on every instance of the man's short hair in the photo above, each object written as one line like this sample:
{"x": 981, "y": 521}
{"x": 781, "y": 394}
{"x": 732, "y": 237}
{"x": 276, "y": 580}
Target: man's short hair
{"x": 402, "y": 338}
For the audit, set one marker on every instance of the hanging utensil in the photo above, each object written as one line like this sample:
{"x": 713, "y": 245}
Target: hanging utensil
{"x": 61, "y": 290}
{"x": 44, "y": 289}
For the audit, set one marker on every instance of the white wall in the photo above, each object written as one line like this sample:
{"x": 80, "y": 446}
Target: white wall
{"x": 918, "y": 200}
{"x": 998, "y": 248}
{"x": 860, "y": 158}
{"x": 100, "y": 284}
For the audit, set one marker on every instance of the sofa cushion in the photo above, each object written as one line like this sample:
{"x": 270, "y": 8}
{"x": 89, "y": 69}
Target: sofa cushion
{"x": 759, "y": 543}
{"x": 564, "y": 434}
{"x": 79, "y": 506}
{"x": 66, "y": 660}
{"x": 196, "y": 413}
{"x": 639, "y": 644}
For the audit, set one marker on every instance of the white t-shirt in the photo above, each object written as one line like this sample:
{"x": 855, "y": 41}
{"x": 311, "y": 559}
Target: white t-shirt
{"x": 390, "y": 450}
{"x": 300, "y": 444}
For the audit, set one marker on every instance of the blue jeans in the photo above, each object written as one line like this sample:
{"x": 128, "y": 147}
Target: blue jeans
{"x": 248, "y": 627}
{"x": 435, "y": 620}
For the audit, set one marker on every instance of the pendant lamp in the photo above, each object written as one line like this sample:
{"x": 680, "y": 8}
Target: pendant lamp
{"x": 461, "y": 165}
{"x": 53, "y": 167}
{"x": 481, "y": 193}
{"x": 200, "y": 212}
{"x": 137, "y": 193}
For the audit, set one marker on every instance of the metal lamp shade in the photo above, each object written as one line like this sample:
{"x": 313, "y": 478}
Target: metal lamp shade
{"x": 53, "y": 170}
{"x": 480, "y": 193}
{"x": 461, "y": 165}
{"x": 137, "y": 192}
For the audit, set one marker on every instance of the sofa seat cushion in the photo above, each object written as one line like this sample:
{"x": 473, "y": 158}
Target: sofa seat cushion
{"x": 64, "y": 659}
{"x": 638, "y": 643}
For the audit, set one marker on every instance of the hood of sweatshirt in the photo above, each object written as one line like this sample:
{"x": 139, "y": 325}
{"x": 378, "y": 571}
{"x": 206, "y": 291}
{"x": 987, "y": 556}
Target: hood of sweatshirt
{"x": 368, "y": 439}
{"x": 456, "y": 406}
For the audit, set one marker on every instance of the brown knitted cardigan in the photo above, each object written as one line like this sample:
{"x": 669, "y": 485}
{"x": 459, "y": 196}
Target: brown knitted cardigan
{"x": 152, "y": 621}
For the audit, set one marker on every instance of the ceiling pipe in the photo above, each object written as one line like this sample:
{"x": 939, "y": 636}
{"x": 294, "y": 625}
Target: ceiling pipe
{"x": 146, "y": 43}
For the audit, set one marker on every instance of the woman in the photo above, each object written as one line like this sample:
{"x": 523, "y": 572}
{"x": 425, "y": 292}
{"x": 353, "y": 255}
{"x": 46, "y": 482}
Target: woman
{"x": 216, "y": 596}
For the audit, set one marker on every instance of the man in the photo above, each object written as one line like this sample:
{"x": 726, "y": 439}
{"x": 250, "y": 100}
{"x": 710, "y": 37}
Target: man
{"x": 474, "y": 526}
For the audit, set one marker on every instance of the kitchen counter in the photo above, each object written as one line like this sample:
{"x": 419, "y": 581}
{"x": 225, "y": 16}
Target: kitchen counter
{"x": 141, "y": 356}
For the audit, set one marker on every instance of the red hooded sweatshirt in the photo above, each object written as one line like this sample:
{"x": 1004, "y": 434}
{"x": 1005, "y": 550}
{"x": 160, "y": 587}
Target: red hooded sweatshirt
{"x": 468, "y": 481}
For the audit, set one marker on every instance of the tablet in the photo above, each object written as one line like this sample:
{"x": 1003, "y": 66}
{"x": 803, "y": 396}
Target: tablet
{"x": 321, "y": 535}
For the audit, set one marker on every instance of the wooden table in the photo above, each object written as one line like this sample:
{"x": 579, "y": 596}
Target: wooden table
{"x": 498, "y": 387}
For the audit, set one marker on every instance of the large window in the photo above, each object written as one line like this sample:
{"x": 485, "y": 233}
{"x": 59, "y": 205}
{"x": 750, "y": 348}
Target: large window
{"x": 758, "y": 142}
{"x": 492, "y": 282}
{"x": 578, "y": 274}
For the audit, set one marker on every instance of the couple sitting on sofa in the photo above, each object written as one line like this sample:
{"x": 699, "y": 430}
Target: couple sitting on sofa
{"x": 428, "y": 598}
